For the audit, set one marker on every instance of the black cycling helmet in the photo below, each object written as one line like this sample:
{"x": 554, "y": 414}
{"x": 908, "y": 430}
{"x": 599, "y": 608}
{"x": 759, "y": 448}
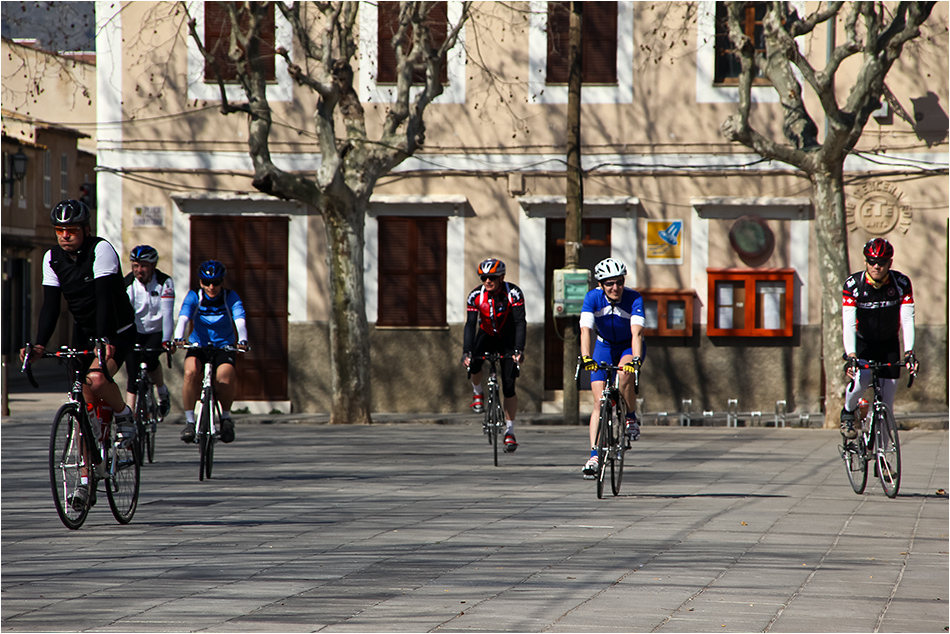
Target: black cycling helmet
{"x": 144, "y": 253}
{"x": 70, "y": 212}
{"x": 491, "y": 266}
{"x": 878, "y": 248}
{"x": 211, "y": 270}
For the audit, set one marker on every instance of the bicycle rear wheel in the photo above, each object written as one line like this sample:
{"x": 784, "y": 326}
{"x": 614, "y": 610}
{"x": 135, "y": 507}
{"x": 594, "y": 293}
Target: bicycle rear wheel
{"x": 122, "y": 482}
{"x": 854, "y": 454}
{"x": 70, "y": 467}
{"x": 887, "y": 452}
{"x": 618, "y": 449}
{"x": 603, "y": 445}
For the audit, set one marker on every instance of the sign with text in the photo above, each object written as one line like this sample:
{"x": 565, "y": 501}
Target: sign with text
{"x": 149, "y": 216}
{"x": 664, "y": 242}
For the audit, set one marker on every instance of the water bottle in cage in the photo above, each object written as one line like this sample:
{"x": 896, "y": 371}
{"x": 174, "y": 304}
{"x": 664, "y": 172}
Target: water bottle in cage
{"x": 101, "y": 414}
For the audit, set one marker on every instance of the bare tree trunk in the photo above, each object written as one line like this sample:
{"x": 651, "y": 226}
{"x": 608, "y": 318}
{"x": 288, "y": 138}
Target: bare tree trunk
{"x": 574, "y": 210}
{"x": 834, "y": 268}
{"x": 349, "y": 330}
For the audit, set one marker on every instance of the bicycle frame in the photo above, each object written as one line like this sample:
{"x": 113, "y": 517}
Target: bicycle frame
{"x": 494, "y": 410}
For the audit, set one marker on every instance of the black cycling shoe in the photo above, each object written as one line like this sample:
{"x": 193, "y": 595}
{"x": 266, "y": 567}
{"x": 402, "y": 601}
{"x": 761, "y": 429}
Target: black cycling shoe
{"x": 227, "y": 430}
{"x": 188, "y": 433}
{"x": 847, "y": 425}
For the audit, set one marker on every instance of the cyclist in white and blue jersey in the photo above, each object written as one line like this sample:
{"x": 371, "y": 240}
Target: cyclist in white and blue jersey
{"x": 614, "y": 314}
{"x": 219, "y": 319}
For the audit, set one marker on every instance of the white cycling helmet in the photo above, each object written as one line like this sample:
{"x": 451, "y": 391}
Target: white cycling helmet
{"x": 609, "y": 268}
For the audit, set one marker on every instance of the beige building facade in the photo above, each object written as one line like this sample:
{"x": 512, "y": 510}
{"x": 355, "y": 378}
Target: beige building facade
{"x": 721, "y": 243}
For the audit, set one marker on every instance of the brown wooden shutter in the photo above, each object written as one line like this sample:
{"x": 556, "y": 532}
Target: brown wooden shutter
{"x": 598, "y": 42}
{"x": 411, "y": 271}
{"x": 386, "y": 27}
{"x": 254, "y": 251}
{"x": 217, "y": 40}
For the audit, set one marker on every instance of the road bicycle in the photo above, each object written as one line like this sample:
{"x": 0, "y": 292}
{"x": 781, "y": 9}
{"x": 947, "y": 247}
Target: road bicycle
{"x": 84, "y": 450}
{"x": 878, "y": 441}
{"x": 611, "y": 436}
{"x": 494, "y": 424}
{"x": 207, "y": 409}
{"x": 147, "y": 412}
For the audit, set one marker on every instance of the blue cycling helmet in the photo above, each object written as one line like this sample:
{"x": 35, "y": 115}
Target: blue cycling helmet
{"x": 211, "y": 270}
{"x": 144, "y": 253}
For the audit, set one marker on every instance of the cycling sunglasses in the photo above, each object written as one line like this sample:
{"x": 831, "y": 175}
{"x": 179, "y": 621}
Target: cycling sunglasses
{"x": 68, "y": 231}
{"x": 214, "y": 282}
{"x": 609, "y": 283}
{"x": 493, "y": 278}
{"x": 878, "y": 261}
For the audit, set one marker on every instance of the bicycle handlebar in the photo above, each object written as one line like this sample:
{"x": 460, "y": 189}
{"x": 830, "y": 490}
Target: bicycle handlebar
{"x": 209, "y": 347}
{"x": 63, "y": 353}
{"x": 608, "y": 366}
{"x": 863, "y": 364}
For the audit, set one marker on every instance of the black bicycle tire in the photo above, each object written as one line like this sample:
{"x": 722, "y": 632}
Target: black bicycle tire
{"x": 141, "y": 422}
{"x": 603, "y": 427}
{"x": 212, "y": 438}
{"x": 201, "y": 431}
{"x": 888, "y": 470}
{"x": 494, "y": 407}
{"x": 122, "y": 485}
{"x": 153, "y": 418}
{"x": 619, "y": 449}
{"x": 66, "y": 423}
{"x": 855, "y": 462}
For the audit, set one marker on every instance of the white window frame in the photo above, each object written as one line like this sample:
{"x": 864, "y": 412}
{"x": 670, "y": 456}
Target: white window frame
{"x": 706, "y": 91}
{"x": 198, "y": 88}
{"x": 454, "y": 208}
{"x": 371, "y": 92}
{"x": 539, "y": 92}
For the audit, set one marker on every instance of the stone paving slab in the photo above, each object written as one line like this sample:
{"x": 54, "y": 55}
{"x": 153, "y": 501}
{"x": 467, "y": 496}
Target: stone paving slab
{"x": 409, "y": 528}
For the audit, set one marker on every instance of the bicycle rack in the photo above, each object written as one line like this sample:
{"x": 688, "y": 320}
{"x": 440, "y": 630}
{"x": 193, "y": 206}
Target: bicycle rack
{"x": 755, "y": 419}
{"x": 732, "y": 413}
{"x": 781, "y": 413}
{"x": 686, "y": 417}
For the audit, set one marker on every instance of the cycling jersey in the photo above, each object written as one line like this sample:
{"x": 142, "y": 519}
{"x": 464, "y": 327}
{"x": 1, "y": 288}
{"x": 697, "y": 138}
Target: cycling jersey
{"x": 153, "y": 303}
{"x": 612, "y": 321}
{"x": 500, "y": 315}
{"x": 92, "y": 285}
{"x": 875, "y": 315}
{"x": 218, "y": 321}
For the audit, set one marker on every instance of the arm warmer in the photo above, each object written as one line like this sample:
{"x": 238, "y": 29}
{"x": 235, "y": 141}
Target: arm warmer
{"x": 240, "y": 324}
{"x": 521, "y": 326}
{"x": 907, "y": 326}
{"x": 180, "y": 326}
{"x": 470, "y": 326}
{"x": 849, "y": 316}
{"x": 49, "y": 314}
{"x": 168, "y": 317}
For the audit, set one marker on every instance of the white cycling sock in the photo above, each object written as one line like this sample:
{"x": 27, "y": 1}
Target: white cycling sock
{"x": 478, "y": 389}
{"x": 510, "y": 424}
{"x": 163, "y": 391}
{"x": 190, "y": 416}
{"x": 226, "y": 414}
{"x": 125, "y": 412}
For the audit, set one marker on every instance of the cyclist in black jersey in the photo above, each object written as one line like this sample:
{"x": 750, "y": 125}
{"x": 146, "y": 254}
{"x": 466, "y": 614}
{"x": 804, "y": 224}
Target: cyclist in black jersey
{"x": 878, "y": 304}
{"x": 496, "y": 323}
{"x": 85, "y": 270}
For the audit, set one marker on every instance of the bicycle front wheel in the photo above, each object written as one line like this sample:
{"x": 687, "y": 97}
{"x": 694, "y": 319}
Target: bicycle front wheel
{"x": 854, "y": 454}
{"x": 887, "y": 452}
{"x": 70, "y": 467}
{"x": 495, "y": 421}
{"x": 204, "y": 435}
{"x": 618, "y": 449}
{"x": 141, "y": 422}
{"x": 603, "y": 445}
{"x": 151, "y": 426}
{"x": 122, "y": 481}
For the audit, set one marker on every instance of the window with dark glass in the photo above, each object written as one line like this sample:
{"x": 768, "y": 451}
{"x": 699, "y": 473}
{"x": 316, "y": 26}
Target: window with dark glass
{"x": 728, "y": 65}
{"x": 218, "y": 40}
{"x": 412, "y": 255}
{"x": 598, "y": 42}
{"x": 388, "y": 24}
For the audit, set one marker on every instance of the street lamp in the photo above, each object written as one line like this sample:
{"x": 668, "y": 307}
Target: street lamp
{"x": 18, "y": 168}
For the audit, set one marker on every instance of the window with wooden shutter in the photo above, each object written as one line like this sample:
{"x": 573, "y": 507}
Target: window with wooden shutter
{"x": 388, "y": 24}
{"x": 598, "y": 42}
{"x": 254, "y": 251}
{"x": 728, "y": 66}
{"x": 218, "y": 40}
{"x": 411, "y": 271}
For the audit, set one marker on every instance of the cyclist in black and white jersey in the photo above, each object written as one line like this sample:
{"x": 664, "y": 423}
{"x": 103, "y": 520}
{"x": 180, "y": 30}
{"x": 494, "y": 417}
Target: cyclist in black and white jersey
{"x": 152, "y": 294}
{"x": 878, "y": 305}
{"x": 85, "y": 270}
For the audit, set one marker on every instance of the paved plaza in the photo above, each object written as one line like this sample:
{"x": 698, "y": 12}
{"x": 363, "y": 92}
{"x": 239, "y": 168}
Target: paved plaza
{"x": 407, "y": 527}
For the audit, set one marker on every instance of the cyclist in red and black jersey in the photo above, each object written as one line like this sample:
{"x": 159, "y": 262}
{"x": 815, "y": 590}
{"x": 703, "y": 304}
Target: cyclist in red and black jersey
{"x": 878, "y": 304}
{"x": 496, "y": 323}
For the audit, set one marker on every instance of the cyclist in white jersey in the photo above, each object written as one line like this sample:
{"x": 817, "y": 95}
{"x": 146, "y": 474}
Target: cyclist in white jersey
{"x": 152, "y": 294}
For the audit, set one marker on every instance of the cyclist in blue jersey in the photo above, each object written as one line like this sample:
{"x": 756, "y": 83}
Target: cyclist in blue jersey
{"x": 218, "y": 319}
{"x": 615, "y": 314}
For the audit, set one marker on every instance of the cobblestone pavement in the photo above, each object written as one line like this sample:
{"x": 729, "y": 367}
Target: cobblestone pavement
{"x": 409, "y": 528}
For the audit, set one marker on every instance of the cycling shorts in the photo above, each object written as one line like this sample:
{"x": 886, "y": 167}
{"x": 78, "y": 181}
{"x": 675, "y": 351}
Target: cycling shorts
{"x": 146, "y": 340}
{"x": 218, "y": 357}
{"x": 612, "y": 353}
{"x": 484, "y": 344}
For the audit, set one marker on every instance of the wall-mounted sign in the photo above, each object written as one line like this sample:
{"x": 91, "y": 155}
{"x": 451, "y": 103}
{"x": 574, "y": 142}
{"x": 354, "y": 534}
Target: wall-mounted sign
{"x": 149, "y": 216}
{"x": 664, "y": 242}
{"x": 877, "y": 208}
